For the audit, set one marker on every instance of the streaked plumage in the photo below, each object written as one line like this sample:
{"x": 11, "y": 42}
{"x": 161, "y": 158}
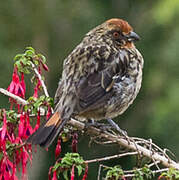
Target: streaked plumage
{"x": 101, "y": 78}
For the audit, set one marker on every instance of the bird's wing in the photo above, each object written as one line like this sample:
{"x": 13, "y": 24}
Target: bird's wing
{"x": 93, "y": 87}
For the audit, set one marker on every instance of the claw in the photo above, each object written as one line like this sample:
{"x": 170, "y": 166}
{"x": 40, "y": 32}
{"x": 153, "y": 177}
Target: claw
{"x": 103, "y": 127}
{"x": 122, "y": 132}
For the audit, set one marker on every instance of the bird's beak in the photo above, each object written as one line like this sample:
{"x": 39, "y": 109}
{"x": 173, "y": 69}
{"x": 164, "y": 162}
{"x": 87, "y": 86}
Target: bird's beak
{"x": 132, "y": 36}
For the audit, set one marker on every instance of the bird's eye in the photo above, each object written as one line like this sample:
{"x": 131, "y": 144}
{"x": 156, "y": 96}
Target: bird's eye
{"x": 116, "y": 35}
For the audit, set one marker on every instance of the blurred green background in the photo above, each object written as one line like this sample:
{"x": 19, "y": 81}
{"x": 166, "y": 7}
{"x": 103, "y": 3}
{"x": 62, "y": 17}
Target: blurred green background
{"x": 55, "y": 27}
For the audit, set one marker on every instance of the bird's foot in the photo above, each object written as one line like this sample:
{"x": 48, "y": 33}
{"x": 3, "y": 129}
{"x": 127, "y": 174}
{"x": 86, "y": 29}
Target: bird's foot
{"x": 101, "y": 126}
{"x": 117, "y": 128}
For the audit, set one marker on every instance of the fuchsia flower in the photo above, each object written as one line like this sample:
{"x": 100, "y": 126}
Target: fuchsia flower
{"x": 3, "y": 133}
{"x": 38, "y": 121}
{"x": 23, "y": 83}
{"x": 58, "y": 148}
{"x": 25, "y": 129}
{"x": 37, "y": 88}
{"x": 7, "y": 168}
{"x": 49, "y": 112}
{"x": 25, "y": 157}
{"x": 16, "y": 86}
{"x": 45, "y": 67}
{"x": 38, "y": 85}
{"x": 74, "y": 142}
{"x": 21, "y": 125}
{"x": 73, "y": 173}
{"x": 54, "y": 175}
{"x": 49, "y": 173}
{"x": 86, "y": 173}
{"x": 28, "y": 128}
{"x": 16, "y": 133}
{"x": 4, "y": 127}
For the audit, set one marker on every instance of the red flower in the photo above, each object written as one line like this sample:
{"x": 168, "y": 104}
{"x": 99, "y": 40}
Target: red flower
{"x": 25, "y": 129}
{"x": 54, "y": 175}
{"x": 37, "y": 88}
{"x": 21, "y": 125}
{"x": 23, "y": 83}
{"x": 73, "y": 173}
{"x": 49, "y": 173}
{"x": 17, "y": 87}
{"x": 49, "y": 112}
{"x": 28, "y": 128}
{"x": 38, "y": 121}
{"x": 7, "y": 169}
{"x": 74, "y": 142}
{"x": 58, "y": 148}
{"x": 4, "y": 127}
{"x": 45, "y": 67}
{"x": 3, "y": 133}
{"x": 24, "y": 158}
{"x": 86, "y": 172}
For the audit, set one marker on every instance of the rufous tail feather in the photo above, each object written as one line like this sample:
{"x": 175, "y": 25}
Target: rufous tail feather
{"x": 47, "y": 132}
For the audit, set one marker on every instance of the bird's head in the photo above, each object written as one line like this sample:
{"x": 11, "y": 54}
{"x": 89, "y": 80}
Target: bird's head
{"x": 117, "y": 31}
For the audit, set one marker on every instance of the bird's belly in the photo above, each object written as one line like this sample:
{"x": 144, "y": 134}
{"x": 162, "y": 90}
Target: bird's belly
{"x": 124, "y": 94}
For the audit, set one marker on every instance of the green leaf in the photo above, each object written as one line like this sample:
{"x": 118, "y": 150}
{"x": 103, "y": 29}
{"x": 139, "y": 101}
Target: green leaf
{"x": 56, "y": 166}
{"x": 42, "y": 57}
{"x": 80, "y": 169}
{"x": 65, "y": 175}
{"x": 30, "y": 48}
{"x": 114, "y": 172}
{"x": 138, "y": 175}
{"x": 17, "y": 57}
{"x": 29, "y": 53}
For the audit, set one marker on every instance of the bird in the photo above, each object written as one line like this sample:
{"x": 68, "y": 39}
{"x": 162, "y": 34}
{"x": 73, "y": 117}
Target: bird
{"x": 101, "y": 77}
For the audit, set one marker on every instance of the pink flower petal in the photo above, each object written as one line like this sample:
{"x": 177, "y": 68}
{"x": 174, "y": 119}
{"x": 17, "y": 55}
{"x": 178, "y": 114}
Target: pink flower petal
{"x": 49, "y": 173}
{"x": 38, "y": 121}
{"x": 28, "y": 130}
{"x": 86, "y": 173}
{"x": 54, "y": 176}
{"x": 49, "y": 112}
{"x": 4, "y": 127}
{"x": 58, "y": 148}
{"x": 73, "y": 173}
{"x": 23, "y": 83}
{"x": 21, "y": 127}
{"x": 74, "y": 142}
{"x": 11, "y": 87}
{"x": 45, "y": 67}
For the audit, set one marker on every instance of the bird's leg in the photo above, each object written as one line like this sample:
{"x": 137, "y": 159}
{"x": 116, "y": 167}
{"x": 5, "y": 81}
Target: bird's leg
{"x": 115, "y": 126}
{"x": 92, "y": 122}
{"x": 122, "y": 132}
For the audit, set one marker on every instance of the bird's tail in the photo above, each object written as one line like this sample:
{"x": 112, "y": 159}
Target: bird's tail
{"x": 46, "y": 133}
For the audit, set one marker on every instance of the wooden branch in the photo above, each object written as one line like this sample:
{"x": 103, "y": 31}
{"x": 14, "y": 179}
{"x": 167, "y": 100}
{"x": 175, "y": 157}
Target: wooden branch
{"x": 20, "y": 101}
{"x": 111, "y": 157}
{"x": 129, "y": 144}
{"x": 17, "y": 98}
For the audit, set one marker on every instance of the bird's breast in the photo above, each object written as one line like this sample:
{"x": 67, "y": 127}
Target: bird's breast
{"x": 127, "y": 87}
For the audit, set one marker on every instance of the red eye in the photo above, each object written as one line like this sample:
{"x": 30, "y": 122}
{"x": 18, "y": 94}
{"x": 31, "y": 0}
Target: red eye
{"x": 116, "y": 35}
